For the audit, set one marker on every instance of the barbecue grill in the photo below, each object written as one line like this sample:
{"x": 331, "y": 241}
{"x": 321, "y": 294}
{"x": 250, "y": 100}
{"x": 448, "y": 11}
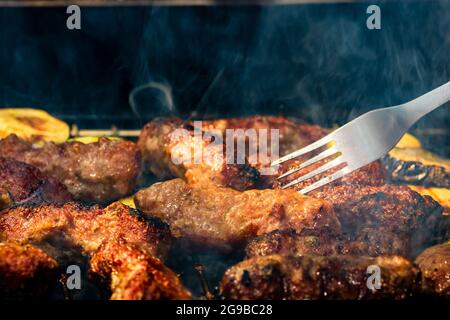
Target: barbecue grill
{"x": 314, "y": 61}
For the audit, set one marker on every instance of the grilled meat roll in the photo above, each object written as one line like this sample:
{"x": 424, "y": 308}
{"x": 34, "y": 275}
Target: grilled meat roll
{"x": 167, "y": 156}
{"x": 95, "y": 172}
{"x": 20, "y": 183}
{"x": 217, "y": 215}
{"x": 396, "y": 209}
{"x": 317, "y": 277}
{"x": 165, "y": 153}
{"x": 25, "y": 271}
{"x": 370, "y": 242}
{"x": 383, "y": 220}
{"x": 434, "y": 263}
{"x": 60, "y": 230}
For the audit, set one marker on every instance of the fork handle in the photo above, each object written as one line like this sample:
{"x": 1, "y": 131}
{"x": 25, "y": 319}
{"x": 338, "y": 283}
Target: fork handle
{"x": 419, "y": 107}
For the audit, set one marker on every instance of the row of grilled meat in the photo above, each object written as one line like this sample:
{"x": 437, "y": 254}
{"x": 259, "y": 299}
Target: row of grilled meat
{"x": 296, "y": 247}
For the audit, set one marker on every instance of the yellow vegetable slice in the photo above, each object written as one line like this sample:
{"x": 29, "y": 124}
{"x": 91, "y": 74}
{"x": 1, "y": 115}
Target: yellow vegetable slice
{"x": 32, "y": 125}
{"x": 441, "y": 195}
{"x": 92, "y": 139}
{"x": 128, "y": 202}
{"x": 408, "y": 141}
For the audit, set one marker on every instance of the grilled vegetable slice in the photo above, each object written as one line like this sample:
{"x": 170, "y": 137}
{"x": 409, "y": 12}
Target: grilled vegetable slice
{"x": 92, "y": 139}
{"x": 408, "y": 141}
{"x": 32, "y": 125}
{"x": 128, "y": 202}
{"x": 441, "y": 195}
{"x": 417, "y": 167}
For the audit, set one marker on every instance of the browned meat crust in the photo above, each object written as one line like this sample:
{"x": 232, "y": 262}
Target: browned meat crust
{"x": 25, "y": 271}
{"x": 318, "y": 277}
{"x": 434, "y": 263}
{"x": 398, "y": 206}
{"x": 86, "y": 229}
{"x": 370, "y": 242}
{"x": 209, "y": 214}
{"x": 396, "y": 209}
{"x": 135, "y": 275}
{"x": 159, "y": 149}
{"x": 99, "y": 172}
{"x": 20, "y": 183}
{"x": 288, "y": 242}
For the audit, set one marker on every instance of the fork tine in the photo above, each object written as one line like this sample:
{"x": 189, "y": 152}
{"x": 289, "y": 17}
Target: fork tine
{"x": 320, "y": 156}
{"x": 325, "y": 167}
{"x": 319, "y": 143}
{"x": 326, "y": 180}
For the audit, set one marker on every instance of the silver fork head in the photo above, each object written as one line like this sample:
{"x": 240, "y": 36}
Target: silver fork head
{"x": 365, "y": 139}
{"x": 337, "y": 161}
{"x": 357, "y": 143}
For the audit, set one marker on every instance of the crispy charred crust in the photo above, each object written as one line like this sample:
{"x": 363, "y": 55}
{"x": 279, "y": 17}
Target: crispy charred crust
{"x": 398, "y": 209}
{"x": 158, "y": 150}
{"x": 25, "y": 272}
{"x": 417, "y": 173}
{"x": 132, "y": 274}
{"x": 95, "y": 172}
{"x": 21, "y": 183}
{"x": 85, "y": 227}
{"x": 288, "y": 242}
{"x": 215, "y": 215}
{"x": 317, "y": 277}
{"x": 369, "y": 242}
{"x": 434, "y": 263}
{"x": 102, "y": 233}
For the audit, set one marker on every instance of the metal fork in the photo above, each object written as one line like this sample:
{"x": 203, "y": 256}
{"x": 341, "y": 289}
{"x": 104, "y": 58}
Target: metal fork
{"x": 364, "y": 139}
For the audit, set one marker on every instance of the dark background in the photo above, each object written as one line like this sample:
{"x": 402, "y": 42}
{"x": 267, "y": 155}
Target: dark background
{"x": 316, "y": 62}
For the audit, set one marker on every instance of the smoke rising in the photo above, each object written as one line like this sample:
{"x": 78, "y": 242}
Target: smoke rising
{"x": 318, "y": 63}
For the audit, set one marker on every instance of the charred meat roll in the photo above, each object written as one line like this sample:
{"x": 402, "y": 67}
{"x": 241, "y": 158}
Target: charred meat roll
{"x": 217, "y": 215}
{"x": 370, "y": 242}
{"x": 20, "y": 183}
{"x": 95, "y": 172}
{"x": 395, "y": 209}
{"x": 171, "y": 148}
{"x": 93, "y": 231}
{"x": 26, "y": 272}
{"x": 434, "y": 263}
{"x": 384, "y": 220}
{"x": 317, "y": 277}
